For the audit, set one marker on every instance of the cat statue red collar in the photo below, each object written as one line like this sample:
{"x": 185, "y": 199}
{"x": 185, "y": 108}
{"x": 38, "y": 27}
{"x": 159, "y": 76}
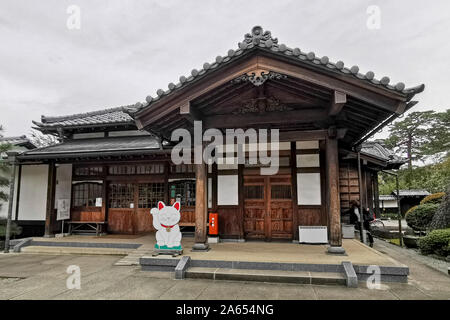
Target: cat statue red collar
{"x": 165, "y": 221}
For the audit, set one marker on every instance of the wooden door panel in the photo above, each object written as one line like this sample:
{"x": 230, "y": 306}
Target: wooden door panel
{"x": 268, "y": 209}
{"x": 121, "y": 221}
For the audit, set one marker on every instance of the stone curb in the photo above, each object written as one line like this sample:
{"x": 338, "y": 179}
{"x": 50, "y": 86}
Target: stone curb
{"x": 24, "y": 243}
{"x": 350, "y": 274}
{"x": 182, "y": 266}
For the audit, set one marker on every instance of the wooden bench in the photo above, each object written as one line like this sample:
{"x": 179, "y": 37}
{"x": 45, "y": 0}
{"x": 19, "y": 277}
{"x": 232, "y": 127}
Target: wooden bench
{"x": 92, "y": 226}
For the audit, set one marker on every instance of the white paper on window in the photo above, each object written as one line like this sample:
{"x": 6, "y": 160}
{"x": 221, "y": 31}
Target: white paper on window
{"x": 308, "y": 161}
{"x": 308, "y": 189}
{"x": 227, "y": 190}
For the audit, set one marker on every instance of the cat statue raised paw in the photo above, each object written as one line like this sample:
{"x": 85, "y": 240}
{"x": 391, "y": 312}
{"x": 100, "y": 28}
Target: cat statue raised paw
{"x": 165, "y": 221}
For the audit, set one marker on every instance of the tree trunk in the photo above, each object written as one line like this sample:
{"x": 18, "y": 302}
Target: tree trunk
{"x": 409, "y": 151}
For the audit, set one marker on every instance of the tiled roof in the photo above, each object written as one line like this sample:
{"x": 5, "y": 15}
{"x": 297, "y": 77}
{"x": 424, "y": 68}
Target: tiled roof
{"x": 263, "y": 40}
{"x": 106, "y": 116}
{"x": 378, "y": 149}
{"x": 86, "y": 147}
{"x": 411, "y": 192}
{"x": 18, "y": 141}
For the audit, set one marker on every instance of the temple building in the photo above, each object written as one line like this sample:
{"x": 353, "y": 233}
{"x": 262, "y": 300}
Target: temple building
{"x": 115, "y": 164}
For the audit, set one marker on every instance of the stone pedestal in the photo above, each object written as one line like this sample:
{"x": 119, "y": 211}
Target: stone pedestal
{"x": 336, "y": 250}
{"x": 203, "y": 247}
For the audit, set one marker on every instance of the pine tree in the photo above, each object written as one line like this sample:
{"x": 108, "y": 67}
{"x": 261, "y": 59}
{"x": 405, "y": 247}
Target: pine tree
{"x": 4, "y": 171}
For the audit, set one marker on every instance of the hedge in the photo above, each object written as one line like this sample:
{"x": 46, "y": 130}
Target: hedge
{"x": 421, "y": 217}
{"x": 433, "y": 198}
{"x": 410, "y": 210}
{"x": 437, "y": 242}
{"x": 15, "y": 229}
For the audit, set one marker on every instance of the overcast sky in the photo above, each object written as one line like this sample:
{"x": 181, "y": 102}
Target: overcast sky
{"x": 126, "y": 50}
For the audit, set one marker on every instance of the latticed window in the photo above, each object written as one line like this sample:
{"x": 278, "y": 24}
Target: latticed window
{"x": 150, "y": 194}
{"x": 254, "y": 192}
{"x": 121, "y": 195}
{"x": 84, "y": 194}
{"x": 184, "y": 191}
{"x": 281, "y": 191}
{"x": 154, "y": 168}
{"x": 182, "y": 168}
{"x": 88, "y": 171}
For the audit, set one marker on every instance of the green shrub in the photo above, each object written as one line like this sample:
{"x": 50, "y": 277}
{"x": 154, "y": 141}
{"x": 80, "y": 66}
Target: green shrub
{"x": 433, "y": 198}
{"x": 441, "y": 219}
{"x": 437, "y": 241}
{"x": 421, "y": 217}
{"x": 15, "y": 229}
{"x": 410, "y": 210}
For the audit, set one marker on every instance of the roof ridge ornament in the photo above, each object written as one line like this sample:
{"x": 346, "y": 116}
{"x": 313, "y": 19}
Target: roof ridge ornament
{"x": 258, "y": 35}
{"x": 258, "y": 77}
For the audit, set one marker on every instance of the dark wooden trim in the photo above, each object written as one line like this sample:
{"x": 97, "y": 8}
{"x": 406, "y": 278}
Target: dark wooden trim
{"x": 241, "y": 199}
{"x": 201, "y": 204}
{"x": 376, "y": 193}
{"x": 303, "y": 135}
{"x": 232, "y": 172}
{"x": 214, "y": 187}
{"x": 294, "y": 191}
{"x": 308, "y": 170}
{"x": 50, "y": 208}
{"x": 19, "y": 182}
{"x": 248, "y": 120}
{"x": 105, "y": 198}
{"x": 333, "y": 202}
{"x": 307, "y": 151}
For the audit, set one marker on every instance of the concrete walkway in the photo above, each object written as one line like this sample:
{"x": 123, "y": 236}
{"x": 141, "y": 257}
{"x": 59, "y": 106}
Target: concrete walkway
{"x": 427, "y": 275}
{"x": 33, "y": 276}
{"x": 255, "y": 251}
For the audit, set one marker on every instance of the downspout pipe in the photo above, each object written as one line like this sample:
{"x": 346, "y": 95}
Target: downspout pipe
{"x": 12, "y": 182}
{"x": 361, "y": 218}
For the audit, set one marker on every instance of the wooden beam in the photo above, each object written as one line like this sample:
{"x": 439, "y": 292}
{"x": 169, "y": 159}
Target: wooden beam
{"x": 250, "y": 119}
{"x": 190, "y": 113}
{"x": 303, "y": 135}
{"x": 201, "y": 206}
{"x": 332, "y": 183}
{"x": 50, "y": 208}
{"x": 293, "y": 162}
{"x": 337, "y": 103}
{"x": 354, "y": 87}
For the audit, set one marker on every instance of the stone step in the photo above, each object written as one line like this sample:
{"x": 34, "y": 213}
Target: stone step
{"x": 75, "y": 250}
{"x": 277, "y": 276}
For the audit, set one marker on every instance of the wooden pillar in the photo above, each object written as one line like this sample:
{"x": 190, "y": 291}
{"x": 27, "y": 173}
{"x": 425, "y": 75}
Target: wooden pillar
{"x": 201, "y": 207}
{"x": 19, "y": 183}
{"x": 333, "y": 201}
{"x": 241, "y": 200}
{"x": 293, "y": 163}
{"x": 376, "y": 195}
{"x": 50, "y": 209}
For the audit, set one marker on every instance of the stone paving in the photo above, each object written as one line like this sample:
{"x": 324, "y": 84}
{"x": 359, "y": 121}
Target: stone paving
{"x": 255, "y": 251}
{"x": 35, "y": 276}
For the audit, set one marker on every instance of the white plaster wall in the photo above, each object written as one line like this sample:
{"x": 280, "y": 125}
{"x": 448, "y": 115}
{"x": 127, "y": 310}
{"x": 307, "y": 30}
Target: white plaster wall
{"x": 307, "y": 144}
{"x": 308, "y": 161}
{"x": 227, "y": 190}
{"x": 388, "y": 204}
{"x": 308, "y": 186}
{"x": 63, "y": 189}
{"x": 33, "y": 192}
